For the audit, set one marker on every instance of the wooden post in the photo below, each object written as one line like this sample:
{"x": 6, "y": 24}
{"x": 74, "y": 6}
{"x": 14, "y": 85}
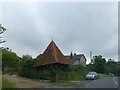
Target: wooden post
{"x": 56, "y": 72}
{"x": 38, "y": 74}
{"x": 52, "y": 73}
{"x": 42, "y": 75}
{"x": 67, "y": 75}
{"x": 67, "y": 72}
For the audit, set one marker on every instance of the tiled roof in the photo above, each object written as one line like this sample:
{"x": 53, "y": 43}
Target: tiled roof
{"x": 51, "y": 55}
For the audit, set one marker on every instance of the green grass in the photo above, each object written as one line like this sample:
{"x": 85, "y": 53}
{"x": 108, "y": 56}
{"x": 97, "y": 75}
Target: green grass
{"x": 0, "y": 81}
{"x": 103, "y": 75}
{"x": 62, "y": 83}
{"x": 7, "y": 84}
{"x": 77, "y": 76}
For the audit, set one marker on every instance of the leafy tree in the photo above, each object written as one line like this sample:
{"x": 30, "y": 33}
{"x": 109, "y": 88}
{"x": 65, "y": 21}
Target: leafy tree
{"x": 24, "y": 59}
{"x": 10, "y": 60}
{"x": 99, "y": 64}
{"x": 112, "y": 67}
{"x": 26, "y": 69}
{"x": 90, "y": 67}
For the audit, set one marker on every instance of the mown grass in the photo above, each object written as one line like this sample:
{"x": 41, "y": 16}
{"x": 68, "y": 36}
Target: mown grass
{"x": 7, "y": 84}
{"x": 62, "y": 83}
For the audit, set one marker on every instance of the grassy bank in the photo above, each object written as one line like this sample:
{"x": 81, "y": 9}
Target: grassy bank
{"x": 7, "y": 84}
{"x": 63, "y": 83}
{"x": 103, "y": 75}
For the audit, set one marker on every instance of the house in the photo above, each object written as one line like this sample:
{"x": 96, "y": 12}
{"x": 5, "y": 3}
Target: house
{"x": 76, "y": 59}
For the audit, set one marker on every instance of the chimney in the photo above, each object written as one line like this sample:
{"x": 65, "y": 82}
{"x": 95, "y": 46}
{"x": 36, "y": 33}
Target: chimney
{"x": 74, "y": 54}
{"x": 71, "y": 55}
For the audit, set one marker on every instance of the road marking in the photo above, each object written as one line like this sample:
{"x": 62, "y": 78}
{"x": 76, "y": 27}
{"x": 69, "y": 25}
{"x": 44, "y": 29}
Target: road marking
{"x": 90, "y": 83}
{"x": 115, "y": 81}
{"x": 75, "y": 85}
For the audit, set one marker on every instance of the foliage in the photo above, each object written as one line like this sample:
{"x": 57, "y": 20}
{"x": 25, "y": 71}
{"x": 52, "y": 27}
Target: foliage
{"x": 90, "y": 67}
{"x": 26, "y": 67}
{"x": 112, "y": 67}
{"x": 77, "y": 72}
{"x": 24, "y": 60}
{"x": 10, "y": 61}
{"x": 99, "y": 64}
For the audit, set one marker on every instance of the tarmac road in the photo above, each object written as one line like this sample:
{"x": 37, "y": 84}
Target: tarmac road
{"x": 108, "y": 82}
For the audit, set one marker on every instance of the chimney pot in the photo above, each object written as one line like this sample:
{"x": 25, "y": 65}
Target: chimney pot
{"x": 74, "y": 54}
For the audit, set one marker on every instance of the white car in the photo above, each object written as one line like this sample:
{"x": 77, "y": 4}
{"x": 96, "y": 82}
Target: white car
{"x": 92, "y": 76}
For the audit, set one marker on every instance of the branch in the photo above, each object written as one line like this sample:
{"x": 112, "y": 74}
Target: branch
{"x": 1, "y": 32}
{"x": 2, "y": 42}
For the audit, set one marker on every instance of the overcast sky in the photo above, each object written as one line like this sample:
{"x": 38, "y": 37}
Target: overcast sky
{"x": 77, "y": 27}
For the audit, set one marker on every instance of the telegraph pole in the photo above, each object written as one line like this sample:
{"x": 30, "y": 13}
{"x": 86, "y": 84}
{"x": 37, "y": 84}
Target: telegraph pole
{"x": 91, "y": 57}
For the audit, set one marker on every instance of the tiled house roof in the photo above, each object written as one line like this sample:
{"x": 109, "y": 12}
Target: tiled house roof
{"x": 51, "y": 55}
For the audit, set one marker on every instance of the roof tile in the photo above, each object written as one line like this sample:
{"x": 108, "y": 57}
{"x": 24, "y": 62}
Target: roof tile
{"x": 51, "y": 55}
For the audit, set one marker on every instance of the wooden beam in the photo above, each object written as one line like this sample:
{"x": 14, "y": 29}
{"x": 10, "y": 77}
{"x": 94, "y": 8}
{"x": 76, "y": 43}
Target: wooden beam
{"x": 56, "y": 72}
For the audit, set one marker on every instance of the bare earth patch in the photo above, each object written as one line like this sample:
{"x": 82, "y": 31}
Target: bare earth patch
{"x": 25, "y": 83}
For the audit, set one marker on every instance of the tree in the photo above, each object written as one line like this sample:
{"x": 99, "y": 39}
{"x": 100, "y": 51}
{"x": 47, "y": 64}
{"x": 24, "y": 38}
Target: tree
{"x": 26, "y": 69}
{"x": 2, "y": 29}
{"x": 112, "y": 67}
{"x": 91, "y": 67}
{"x": 99, "y": 64}
{"x": 10, "y": 60}
{"x": 24, "y": 59}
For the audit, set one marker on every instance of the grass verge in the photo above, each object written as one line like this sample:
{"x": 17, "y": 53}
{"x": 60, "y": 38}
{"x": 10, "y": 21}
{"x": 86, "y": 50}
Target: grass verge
{"x": 62, "y": 83}
{"x": 103, "y": 75}
{"x": 7, "y": 84}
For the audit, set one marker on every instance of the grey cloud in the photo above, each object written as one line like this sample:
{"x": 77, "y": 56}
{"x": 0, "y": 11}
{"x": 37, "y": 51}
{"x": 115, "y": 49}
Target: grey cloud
{"x": 77, "y": 27}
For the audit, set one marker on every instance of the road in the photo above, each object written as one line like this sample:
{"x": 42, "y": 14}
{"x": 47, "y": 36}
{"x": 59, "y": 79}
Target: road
{"x": 108, "y": 82}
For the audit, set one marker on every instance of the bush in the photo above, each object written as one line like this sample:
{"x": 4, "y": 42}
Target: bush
{"x": 27, "y": 70}
{"x": 10, "y": 61}
{"x": 78, "y": 72}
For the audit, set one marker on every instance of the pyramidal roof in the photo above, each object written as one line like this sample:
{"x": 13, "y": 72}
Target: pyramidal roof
{"x": 51, "y": 55}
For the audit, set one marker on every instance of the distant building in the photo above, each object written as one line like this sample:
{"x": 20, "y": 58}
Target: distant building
{"x": 76, "y": 59}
